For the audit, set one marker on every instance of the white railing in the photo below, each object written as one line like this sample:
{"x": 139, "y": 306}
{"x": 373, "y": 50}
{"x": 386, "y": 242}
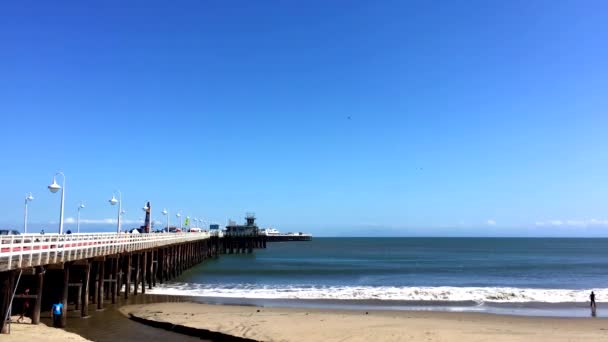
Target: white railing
{"x": 18, "y": 251}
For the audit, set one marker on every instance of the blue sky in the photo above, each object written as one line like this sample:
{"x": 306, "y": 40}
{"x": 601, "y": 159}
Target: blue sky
{"x": 334, "y": 117}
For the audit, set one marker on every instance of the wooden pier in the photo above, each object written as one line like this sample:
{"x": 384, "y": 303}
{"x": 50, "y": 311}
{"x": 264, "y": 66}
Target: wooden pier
{"x": 87, "y": 270}
{"x": 289, "y": 237}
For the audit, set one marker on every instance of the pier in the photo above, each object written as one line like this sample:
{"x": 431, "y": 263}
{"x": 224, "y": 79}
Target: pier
{"x": 289, "y": 237}
{"x": 85, "y": 271}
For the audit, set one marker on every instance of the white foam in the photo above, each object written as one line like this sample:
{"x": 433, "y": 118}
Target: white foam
{"x": 441, "y": 293}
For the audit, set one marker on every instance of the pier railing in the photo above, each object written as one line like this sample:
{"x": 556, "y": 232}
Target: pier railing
{"x": 19, "y": 251}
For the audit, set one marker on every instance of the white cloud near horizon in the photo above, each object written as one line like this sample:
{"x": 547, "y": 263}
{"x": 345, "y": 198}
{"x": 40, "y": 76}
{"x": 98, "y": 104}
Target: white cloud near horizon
{"x": 573, "y": 223}
{"x": 71, "y": 220}
{"x": 553, "y": 223}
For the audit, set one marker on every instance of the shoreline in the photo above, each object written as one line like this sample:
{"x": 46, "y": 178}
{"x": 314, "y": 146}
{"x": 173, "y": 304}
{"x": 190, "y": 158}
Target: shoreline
{"x": 513, "y": 308}
{"x": 291, "y": 324}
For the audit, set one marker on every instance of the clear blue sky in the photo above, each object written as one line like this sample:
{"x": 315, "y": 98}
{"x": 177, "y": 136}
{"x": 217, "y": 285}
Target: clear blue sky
{"x": 334, "y": 117}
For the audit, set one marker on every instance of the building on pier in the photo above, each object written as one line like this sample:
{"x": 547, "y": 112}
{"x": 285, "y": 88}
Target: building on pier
{"x": 249, "y": 228}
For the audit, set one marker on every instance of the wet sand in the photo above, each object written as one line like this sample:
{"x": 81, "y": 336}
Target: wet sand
{"x": 108, "y": 325}
{"x": 41, "y": 332}
{"x": 299, "y": 324}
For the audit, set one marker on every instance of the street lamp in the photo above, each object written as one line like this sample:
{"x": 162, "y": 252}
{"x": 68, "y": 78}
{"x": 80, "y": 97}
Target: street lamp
{"x": 113, "y": 201}
{"x": 166, "y": 213}
{"x": 179, "y": 216}
{"x": 28, "y": 198}
{"x": 54, "y": 188}
{"x": 80, "y": 206}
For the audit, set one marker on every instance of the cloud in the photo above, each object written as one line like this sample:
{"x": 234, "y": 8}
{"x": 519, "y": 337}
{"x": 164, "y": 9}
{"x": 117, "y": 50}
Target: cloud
{"x": 71, "y": 220}
{"x": 573, "y": 223}
{"x": 491, "y": 222}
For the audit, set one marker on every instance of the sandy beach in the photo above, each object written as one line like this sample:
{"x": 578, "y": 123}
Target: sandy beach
{"x": 290, "y": 324}
{"x": 40, "y": 332}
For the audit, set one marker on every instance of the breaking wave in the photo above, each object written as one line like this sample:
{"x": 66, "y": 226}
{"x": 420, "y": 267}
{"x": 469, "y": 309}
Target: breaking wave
{"x": 385, "y": 293}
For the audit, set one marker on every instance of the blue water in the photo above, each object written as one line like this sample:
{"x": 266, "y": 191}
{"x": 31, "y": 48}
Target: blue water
{"x": 472, "y": 272}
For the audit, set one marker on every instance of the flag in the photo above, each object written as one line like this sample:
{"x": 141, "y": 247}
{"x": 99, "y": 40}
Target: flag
{"x": 187, "y": 220}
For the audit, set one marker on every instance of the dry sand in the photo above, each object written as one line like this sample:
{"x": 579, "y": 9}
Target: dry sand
{"x": 287, "y": 324}
{"x": 28, "y": 332}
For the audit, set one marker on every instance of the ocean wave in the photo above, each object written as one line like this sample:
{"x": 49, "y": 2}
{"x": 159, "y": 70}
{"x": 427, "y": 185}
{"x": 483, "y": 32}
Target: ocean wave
{"x": 385, "y": 293}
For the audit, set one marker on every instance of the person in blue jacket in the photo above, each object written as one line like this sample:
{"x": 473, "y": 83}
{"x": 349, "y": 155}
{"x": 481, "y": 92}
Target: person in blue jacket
{"x": 57, "y": 312}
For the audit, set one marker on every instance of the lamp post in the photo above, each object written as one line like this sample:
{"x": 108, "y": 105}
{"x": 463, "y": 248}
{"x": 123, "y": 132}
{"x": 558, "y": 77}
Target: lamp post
{"x": 54, "y": 188}
{"x": 28, "y": 198}
{"x": 179, "y": 216}
{"x": 166, "y": 213}
{"x": 80, "y": 206}
{"x": 113, "y": 201}
{"x": 148, "y": 218}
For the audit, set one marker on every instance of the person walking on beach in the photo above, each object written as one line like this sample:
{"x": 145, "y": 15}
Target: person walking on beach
{"x": 26, "y": 306}
{"x": 592, "y": 299}
{"x": 57, "y": 311}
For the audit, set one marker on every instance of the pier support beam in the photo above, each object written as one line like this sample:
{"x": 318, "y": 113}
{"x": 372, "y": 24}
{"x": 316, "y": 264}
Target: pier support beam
{"x": 150, "y": 269}
{"x": 7, "y": 280}
{"x": 100, "y": 281}
{"x": 144, "y": 268}
{"x": 94, "y": 275}
{"x": 137, "y": 267}
{"x": 128, "y": 275}
{"x": 172, "y": 258}
{"x": 64, "y": 295}
{"x": 114, "y": 277}
{"x": 120, "y": 264}
{"x": 180, "y": 262}
{"x": 161, "y": 265}
{"x": 38, "y": 302}
{"x": 154, "y": 266}
{"x": 86, "y": 280}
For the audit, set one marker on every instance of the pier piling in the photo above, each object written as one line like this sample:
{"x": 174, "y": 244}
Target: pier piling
{"x": 64, "y": 294}
{"x": 144, "y": 268}
{"x": 38, "y": 302}
{"x": 128, "y": 275}
{"x": 101, "y": 264}
{"x": 84, "y": 299}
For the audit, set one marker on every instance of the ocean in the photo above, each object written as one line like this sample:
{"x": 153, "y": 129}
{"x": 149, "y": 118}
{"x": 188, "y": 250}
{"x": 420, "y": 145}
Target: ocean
{"x": 521, "y": 276}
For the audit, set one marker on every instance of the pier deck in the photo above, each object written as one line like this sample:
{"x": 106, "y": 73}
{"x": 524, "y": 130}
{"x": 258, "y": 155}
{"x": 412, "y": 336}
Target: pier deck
{"x": 30, "y": 250}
